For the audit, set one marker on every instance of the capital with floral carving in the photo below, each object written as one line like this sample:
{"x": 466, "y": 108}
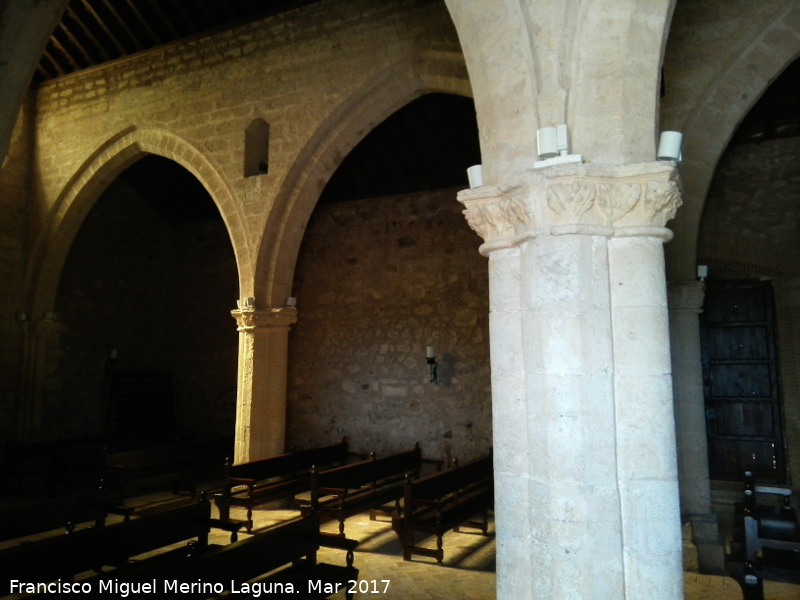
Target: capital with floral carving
{"x": 250, "y": 319}
{"x": 628, "y": 200}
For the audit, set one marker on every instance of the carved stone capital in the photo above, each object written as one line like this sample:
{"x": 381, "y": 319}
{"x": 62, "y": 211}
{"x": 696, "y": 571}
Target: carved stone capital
{"x": 631, "y": 200}
{"x": 686, "y": 296}
{"x": 250, "y": 319}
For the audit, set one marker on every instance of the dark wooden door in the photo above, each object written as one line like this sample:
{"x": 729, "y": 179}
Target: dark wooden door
{"x": 740, "y": 373}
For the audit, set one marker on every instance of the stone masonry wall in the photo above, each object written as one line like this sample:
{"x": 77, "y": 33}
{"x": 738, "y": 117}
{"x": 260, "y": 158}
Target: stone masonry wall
{"x": 377, "y": 282}
{"x": 292, "y": 70}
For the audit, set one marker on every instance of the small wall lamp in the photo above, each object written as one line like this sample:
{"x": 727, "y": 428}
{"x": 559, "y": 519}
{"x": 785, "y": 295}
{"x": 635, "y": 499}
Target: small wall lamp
{"x": 669, "y": 146}
{"x": 475, "y": 176}
{"x": 702, "y": 272}
{"x": 430, "y": 355}
{"x": 552, "y": 145}
{"x": 248, "y": 302}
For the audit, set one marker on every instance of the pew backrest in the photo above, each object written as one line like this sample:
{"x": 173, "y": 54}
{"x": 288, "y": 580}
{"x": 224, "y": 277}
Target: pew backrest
{"x": 292, "y": 463}
{"x": 368, "y": 472}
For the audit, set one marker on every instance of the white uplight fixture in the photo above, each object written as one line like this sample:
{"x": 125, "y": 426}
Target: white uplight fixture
{"x": 248, "y": 302}
{"x": 291, "y": 302}
{"x": 669, "y": 146}
{"x": 702, "y": 272}
{"x": 553, "y": 147}
{"x": 475, "y": 176}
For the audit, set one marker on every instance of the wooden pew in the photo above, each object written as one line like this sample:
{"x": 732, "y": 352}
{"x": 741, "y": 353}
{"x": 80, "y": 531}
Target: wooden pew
{"x": 443, "y": 501}
{"x": 350, "y": 489}
{"x": 280, "y": 477}
{"x": 176, "y": 466}
{"x": 52, "y": 468}
{"x": 62, "y": 557}
{"x": 58, "y": 514}
{"x": 768, "y": 527}
{"x": 278, "y": 563}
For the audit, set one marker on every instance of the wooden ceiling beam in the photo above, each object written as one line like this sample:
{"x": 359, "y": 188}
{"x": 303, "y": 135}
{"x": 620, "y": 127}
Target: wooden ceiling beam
{"x": 155, "y": 4}
{"x": 56, "y": 43}
{"x": 59, "y": 70}
{"x": 89, "y": 35}
{"x": 145, "y": 23}
{"x": 75, "y": 42}
{"x": 90, "y": 9}
{"x": 185, "y": 16}
{"x": 139, "y": 46}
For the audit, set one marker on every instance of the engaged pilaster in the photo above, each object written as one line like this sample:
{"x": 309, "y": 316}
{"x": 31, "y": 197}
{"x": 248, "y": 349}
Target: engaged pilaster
{"x": 261, "y": 398}
{"x": 584, "y": 428}
{"x": 685, "y": 304}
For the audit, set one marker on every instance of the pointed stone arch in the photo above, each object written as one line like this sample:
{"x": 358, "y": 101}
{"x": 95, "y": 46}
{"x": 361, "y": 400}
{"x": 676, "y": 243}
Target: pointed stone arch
{"x": 85, "y": 187}
{"x": 347, "y": 124}
{"x": 729, "y": 97}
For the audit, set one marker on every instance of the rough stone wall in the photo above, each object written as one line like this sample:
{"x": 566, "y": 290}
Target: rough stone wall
{"x": 377, "y": 282}
{"x": 749, "y": 227}
{"x": 156, "y": 293}
{"x": 750, "y": 230}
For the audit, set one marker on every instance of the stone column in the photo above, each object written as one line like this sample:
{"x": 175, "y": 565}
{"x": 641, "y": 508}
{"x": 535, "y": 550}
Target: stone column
{"x": 587, "y": 492}
{"x": 685, "y": 304}
{"x": 261, "y": 395}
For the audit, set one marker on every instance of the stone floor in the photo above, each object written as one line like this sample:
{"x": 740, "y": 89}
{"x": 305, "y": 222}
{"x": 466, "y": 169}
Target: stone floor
{"x": 468, "y": 571}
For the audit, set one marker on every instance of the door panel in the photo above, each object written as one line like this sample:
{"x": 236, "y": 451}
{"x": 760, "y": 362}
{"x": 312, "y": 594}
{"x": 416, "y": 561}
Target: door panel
{"x": 740, "y": 375}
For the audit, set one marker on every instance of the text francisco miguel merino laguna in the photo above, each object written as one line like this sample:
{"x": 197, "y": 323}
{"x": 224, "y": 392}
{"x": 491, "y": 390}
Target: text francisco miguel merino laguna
{"x": 123, "y": 589}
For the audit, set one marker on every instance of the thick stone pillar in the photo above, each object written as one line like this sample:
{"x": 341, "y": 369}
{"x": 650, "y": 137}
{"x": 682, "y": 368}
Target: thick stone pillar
{"x": 587, "y": 492}
{"x": 685, "y": 304}
{"x": 261, "y": 396}
{"x": 510, "y": 421}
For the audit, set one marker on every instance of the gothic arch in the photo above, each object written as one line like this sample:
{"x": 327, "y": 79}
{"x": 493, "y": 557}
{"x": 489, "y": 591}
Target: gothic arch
{"x": 347, "y": 124}
{"x": 737, "y": 87}
{"x": 84, "y": 188}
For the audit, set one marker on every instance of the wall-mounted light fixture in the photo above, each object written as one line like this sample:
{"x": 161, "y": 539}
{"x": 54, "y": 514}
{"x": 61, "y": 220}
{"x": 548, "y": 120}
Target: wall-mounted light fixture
{"x": 291, "y": 302}
{"x": 702, "y": 272}
{"x": 248, "y": 302}
{"x": 553, "y": 147}
{"x": 669, "y": 146}
{"x": 430, "y": 355}
{"x": 475, "y": 176}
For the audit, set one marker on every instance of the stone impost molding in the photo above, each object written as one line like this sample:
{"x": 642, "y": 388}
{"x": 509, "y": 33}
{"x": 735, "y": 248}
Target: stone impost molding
{"x": 621, "y": 201}
{"x": 250, "y": 319}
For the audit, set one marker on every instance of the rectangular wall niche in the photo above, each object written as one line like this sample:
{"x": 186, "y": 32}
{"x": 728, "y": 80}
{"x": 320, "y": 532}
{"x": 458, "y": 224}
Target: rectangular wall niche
{"x": 256, "y": 148}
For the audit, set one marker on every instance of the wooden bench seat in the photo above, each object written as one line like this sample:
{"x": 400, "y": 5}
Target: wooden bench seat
{"x": 443, "y": 501}
{"x": 177, "y": 466}
{"x": 63, "y": 557}
{"x": 280, "y": 477}
{"x": 367, "y": 485}
{"x": 771, "y": 537}
{"x": 278, "y": 563}
{"x": 57, "y": 514}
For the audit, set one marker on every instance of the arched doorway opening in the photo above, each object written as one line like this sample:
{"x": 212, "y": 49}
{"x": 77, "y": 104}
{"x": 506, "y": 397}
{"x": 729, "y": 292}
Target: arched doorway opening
{"x": 748, "y": 240}
{"x": 146, "y": 349}
{"x": 388, "y": 268}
